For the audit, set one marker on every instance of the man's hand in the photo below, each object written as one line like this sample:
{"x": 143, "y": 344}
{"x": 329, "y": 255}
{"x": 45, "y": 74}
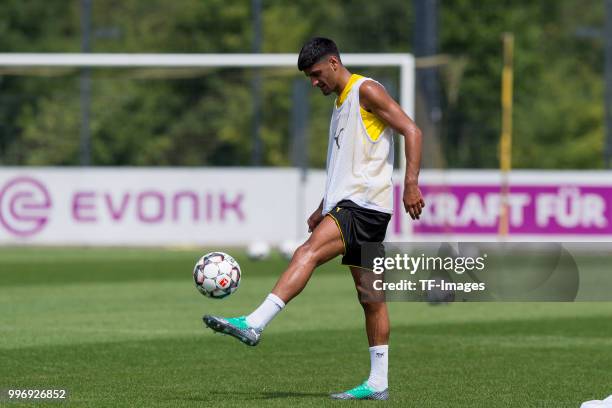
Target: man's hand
{"x": 315, "y": 219}
{"x": 413, "y": 200}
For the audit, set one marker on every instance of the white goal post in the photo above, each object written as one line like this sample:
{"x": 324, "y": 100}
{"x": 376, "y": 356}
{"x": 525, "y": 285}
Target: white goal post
{"x": 405, "y": 63}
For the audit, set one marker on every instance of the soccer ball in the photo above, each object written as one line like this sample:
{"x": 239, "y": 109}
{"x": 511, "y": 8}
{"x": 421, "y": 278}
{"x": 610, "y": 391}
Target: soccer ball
{"x": 216, "y": 275}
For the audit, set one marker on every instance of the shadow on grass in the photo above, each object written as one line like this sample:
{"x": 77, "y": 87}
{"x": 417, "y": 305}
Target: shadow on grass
{"x": 267, "y": 395}
{"x": 280, "y": 394}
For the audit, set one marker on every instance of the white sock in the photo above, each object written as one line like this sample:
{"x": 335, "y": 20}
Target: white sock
{"x": 379, "y": 363}
{"x": 265, "y": 312}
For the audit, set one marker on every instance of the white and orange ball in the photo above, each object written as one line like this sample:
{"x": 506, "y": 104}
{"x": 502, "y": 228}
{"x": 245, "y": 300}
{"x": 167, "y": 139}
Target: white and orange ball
{"x": 217, "y": 275}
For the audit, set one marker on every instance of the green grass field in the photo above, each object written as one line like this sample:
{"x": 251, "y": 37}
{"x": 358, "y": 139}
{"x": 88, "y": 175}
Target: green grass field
{"x": 122, "y": 327}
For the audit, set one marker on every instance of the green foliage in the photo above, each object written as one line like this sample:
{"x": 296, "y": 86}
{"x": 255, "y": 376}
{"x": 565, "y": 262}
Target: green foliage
{"x": 197, "y": 117}
{"x": 558, "y": 95}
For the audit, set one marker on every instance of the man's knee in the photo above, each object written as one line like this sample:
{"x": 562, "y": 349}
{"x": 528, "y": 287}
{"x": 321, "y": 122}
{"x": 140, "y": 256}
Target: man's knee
{"x": 305, "y": 253}
{"x": 369, "y": 297}
{"x": 311, "y": 251}
{"x": 370, "y": 305}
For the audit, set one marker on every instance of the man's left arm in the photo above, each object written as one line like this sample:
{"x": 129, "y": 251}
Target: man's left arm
{"x": 375, "y": 99}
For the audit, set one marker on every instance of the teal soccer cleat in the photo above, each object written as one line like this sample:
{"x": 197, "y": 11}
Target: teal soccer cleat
{"x": 234, "y": 326}
{"x": 362, "y": 392}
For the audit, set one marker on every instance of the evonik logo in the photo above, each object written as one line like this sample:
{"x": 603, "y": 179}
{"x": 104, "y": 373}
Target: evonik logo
{"x": 25, "y": 205}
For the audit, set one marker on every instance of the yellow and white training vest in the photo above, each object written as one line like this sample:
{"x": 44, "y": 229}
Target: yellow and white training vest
{"x": 359, "y": 154}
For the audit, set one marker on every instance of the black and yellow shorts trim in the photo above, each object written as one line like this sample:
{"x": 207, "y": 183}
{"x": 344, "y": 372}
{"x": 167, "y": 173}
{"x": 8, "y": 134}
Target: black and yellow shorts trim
{"x": 359, "y": 226}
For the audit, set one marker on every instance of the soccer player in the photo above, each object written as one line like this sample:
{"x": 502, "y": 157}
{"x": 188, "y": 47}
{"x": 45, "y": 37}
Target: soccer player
{"x": 356, "y": 207}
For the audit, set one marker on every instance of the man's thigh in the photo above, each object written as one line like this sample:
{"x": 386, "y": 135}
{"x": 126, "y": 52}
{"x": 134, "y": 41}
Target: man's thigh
{"x": 325, "y": 242}
{"x": 368, "y": 285}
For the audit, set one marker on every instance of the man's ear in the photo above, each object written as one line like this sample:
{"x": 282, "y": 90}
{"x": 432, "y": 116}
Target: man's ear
{"x": 334, "y": 62}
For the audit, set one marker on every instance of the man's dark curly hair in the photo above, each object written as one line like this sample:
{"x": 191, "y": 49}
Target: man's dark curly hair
{"x": 315, "y": 50}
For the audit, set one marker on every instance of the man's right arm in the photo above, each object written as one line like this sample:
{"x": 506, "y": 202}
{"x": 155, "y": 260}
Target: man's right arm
{"x": 315, "y": 218}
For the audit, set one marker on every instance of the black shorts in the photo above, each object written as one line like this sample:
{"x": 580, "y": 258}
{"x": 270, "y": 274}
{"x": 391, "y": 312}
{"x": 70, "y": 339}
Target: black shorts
{"x": 359, "y": 226}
